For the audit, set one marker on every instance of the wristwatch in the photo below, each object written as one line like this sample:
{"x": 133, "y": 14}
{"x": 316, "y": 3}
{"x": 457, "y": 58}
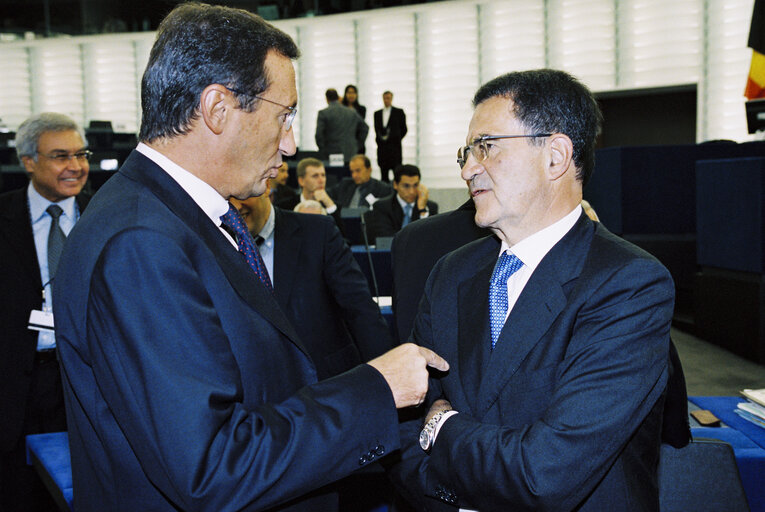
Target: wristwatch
{"x": 428, "y": 432}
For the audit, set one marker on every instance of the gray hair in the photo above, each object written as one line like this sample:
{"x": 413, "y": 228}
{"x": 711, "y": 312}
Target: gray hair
{"x": 30, "y": 131}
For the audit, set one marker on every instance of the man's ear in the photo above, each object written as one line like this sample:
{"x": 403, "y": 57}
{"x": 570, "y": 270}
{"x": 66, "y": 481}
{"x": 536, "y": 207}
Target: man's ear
{"x": 561, "y": 155}
{"x": 215, "y": 105}
{"x": 29, "y": 164}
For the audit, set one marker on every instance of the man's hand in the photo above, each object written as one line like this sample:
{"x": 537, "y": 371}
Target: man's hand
{"x": 438, "y": 406}
{"x": 405, "y": 368}
{"x": 422, "y": 196}
{"x": 322, "y": 196}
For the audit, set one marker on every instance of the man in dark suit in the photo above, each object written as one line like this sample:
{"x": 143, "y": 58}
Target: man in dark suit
{"x": 33, "y": 224}
{"x": 415, "y": 251}
{"x": 186, "y": 386}
{"x": 339, "y": 129}
{"x": 361, "y": 189}
{"x": 408, "y": 204}
{"x": 557, "y": 330}
{"x": 390, "y": 129}
{"x": 318, "y": 285}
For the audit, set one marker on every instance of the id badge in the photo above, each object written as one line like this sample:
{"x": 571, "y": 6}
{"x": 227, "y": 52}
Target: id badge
{"x": 41, "y": 321}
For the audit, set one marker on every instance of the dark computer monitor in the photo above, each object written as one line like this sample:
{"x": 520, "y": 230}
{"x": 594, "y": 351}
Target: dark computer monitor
{"x": 755, "y": 115}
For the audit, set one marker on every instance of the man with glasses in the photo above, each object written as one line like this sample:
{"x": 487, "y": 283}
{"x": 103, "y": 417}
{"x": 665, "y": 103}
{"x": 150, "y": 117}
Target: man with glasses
{"x": 557, "y": 330}
{"x": 187, "y": 387}
{"x": 34, "y": 222}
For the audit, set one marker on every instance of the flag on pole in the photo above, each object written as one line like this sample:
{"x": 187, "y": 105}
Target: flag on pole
{"x": 755, "y": 85}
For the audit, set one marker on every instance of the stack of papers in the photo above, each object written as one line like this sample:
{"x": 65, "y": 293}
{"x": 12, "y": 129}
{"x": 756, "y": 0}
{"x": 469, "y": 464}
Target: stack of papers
{"x": 754, "y": 409}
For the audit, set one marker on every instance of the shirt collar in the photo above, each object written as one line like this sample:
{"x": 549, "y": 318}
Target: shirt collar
{"x": 38, "y": 204}
{"x": 206, "y": 197}
{"x": 268, "y": 227}
{"x": 403, "y": 203}
{"x": 533, "y": 248}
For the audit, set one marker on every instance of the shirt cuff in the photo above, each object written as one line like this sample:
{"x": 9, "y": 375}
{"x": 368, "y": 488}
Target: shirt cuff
{"x": 440, "y": 423}
{"x": 332, "y": 209}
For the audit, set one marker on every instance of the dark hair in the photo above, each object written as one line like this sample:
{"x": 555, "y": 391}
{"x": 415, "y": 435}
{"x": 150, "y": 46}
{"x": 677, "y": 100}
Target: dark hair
{"x": 345, "y": 94}
{"x": 551, "y": 101}
{"x": 367, "y": 162}
{"x": 198, "y": 45}
{"x": 331, "y": 95}
{"x": 307, "y": 162}
{"x": 405, "y": 170}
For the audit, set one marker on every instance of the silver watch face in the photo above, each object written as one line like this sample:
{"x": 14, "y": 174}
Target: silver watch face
{"x": 424, "y": 439}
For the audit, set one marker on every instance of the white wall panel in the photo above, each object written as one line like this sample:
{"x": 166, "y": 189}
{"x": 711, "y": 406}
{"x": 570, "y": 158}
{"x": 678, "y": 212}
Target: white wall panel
{"x": 726, "y": 66}
{"x": 582, "y": 40}
{"x": 15, "y": 86}
{"x": 328, "y": 61}
{"x": 660, "y": 42}
{"x": 512, "y": 37}
{"x": 387, "y": 62}
{"x": 57, "y": 78}
{"x": 447, "y": 74}
{"x": 110, "y": 83}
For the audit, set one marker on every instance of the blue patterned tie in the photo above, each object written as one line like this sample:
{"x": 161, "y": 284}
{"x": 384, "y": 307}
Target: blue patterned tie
{"x": 56, "y": 239}
{"x": 235, "y": 223}
{"x": 507, "y": 265}
{"x": 407, "y": 215}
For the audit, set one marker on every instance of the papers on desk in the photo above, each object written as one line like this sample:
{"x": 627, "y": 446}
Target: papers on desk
{"x": 753, "y": 410}
{"x": 755, "y": 395}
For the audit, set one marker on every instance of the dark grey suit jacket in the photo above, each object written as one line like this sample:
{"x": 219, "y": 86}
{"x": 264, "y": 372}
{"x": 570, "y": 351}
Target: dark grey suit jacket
{"x": 342, "y": 193}
{"x": 340, "y": 129}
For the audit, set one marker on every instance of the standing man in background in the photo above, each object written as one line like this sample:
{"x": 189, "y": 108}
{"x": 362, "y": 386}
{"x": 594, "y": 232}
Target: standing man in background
{"x": 390, "y": 128}
{"x": 34, "y": 222}
{"x": 186, "y": 386}
{"x": 339, "y": 129}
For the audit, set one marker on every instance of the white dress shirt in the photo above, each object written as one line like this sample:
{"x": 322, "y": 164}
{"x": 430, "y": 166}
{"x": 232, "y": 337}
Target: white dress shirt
{"x": 207, "y": 198}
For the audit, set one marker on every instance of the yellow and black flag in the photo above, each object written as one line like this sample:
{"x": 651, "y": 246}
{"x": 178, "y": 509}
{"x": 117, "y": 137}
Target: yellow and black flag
{"x": 755, "y": 85}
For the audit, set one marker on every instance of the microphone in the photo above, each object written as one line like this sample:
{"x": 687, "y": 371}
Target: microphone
{"x": 369, "y": 252}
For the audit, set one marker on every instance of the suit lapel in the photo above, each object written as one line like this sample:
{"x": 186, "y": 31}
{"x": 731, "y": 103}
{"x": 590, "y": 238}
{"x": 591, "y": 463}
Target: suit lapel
{"x": 539, "y": 304}
{"x": 473, "y": 307}
{"x": 239, "y": 274}
{"x": 287, "y": 245}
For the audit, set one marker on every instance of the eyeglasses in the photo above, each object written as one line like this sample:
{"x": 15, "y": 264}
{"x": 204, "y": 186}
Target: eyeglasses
{"x": 480, "y": 146}
{"x": 288, "y": 116}
{"x": 63, "y": 157}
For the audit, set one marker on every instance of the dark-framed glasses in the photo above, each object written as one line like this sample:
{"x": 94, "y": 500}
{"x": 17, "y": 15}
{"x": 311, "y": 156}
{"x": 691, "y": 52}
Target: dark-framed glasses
{"x": 480, "y": 146}
{"x": 63, "y": 157}
{"x": 288, "y": 117}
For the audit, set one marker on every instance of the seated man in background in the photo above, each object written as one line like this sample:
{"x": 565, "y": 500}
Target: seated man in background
{"x": 312, "y": 179}
{"x": 34, "y": 222}
{"x": 319, "y": 285}
{"x": 557, "y": 330}
{"x": 361, "y": 189}
{"x": 409, "y": 203}
{"x": 280, "y": 191}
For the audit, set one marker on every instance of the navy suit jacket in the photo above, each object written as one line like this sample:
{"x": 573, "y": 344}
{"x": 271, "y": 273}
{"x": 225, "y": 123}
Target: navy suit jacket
{"x": 324, "y": 293}
{"x": 387, "y": 216}
{"x": 565, "y": 413}
{"x": 415, "y": 251}
{"x": 186, "y": 386}
{"x": 20, "y": 293}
